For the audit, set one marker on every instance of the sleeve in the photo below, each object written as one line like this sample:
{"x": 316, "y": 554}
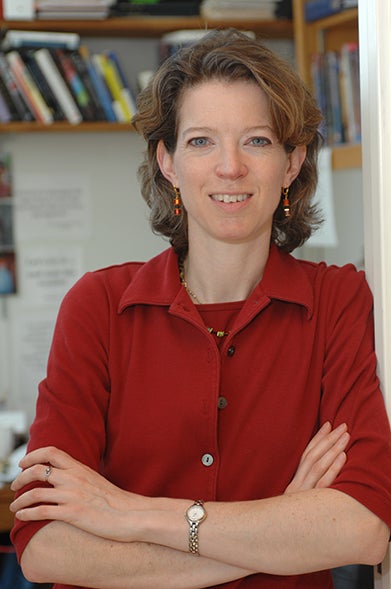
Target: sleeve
{"x": 73, "y": 398}
{"x": 351, "y": 391}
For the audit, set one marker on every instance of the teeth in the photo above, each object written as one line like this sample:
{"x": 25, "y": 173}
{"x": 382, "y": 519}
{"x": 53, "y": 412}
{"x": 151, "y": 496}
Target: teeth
{"x": 230, "y": 197}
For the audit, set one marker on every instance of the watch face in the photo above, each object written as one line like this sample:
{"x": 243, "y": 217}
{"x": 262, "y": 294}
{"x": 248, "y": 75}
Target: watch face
{"x": 196, "y": 513}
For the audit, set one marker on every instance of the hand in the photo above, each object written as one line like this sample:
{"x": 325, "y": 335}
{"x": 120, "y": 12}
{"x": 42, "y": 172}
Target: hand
{"x": 322, "y": 459}
{"x": 77, "y": 495}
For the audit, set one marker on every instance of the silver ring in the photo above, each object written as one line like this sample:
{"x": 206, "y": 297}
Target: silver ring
{"x": 47, "y": 472}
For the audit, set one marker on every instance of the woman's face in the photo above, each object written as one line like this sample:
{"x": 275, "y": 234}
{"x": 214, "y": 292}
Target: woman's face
{"x": 228, "y": 163}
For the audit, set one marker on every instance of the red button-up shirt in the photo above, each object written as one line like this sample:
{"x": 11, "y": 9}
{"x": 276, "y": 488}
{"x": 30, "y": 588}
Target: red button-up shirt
{"x": 135, "y": 382}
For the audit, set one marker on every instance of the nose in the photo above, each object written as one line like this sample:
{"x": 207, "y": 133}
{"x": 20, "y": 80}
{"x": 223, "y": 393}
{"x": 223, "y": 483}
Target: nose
{"x": 231, "y": 163}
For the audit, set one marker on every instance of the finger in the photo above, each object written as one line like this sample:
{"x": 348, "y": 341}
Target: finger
{"x": 321, "y": 443}
{"x": 315, "y": 470}
{"x": 321, "y": 434}
{"x": 37, "y": 473}
{"x": 33, "y": 497}
{"x": 332, "y": 473}
{"x": 48, "y": 511}
{"x": 50, "y": 455}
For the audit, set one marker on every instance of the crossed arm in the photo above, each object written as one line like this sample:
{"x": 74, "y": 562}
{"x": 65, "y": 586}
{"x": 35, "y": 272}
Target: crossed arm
{"x": 102, "y": 536}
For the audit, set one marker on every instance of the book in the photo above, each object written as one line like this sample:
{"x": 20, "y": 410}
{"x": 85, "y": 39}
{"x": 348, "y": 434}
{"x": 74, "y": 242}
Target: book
{"x": 319, "y": 86}
{"x": 75, "y": 15}
{"x": 14, "y": 39}
{"x": 21, "y": 107}
{"x": 28, "y": 56}
{"x": 5, "y": 113}
{"x": 69, "y": 9}
{"x": 29, "y": 88}
{"x": 231, "y": 9}
{"x": 99, "y": 84}
{"x": 316, "y": 9}
{"x": 103, "y": 90}
{"x": 75, "y": 83}
{"x": 114, "y": 84}
{"x": 58, "y": 85}
{"x": 350, "y": 91}
{"x": 157, "y": 8}
{"x": 82, "y": 68}
{"x": 126, "y": 90}
{"x": 334, "y": 111}
{"x": 7, "y": 98}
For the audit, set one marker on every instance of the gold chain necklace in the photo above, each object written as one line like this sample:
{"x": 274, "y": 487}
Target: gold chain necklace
{"x": 182, "y": 278}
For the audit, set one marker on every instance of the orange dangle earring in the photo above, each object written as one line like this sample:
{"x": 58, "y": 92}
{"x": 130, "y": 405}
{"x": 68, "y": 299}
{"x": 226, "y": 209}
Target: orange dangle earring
{"x": 177, "y": 201}
{"x": 285, "y": 201}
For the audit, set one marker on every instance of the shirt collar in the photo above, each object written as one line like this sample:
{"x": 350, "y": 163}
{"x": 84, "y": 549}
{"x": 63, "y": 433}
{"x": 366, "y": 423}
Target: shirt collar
{"x": 157, "y": 282}
{"x": 286, "y": 279}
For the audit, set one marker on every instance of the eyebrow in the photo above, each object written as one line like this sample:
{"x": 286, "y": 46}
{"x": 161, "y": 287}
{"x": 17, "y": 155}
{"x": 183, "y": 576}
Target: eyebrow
{"x": 205, "y": 130}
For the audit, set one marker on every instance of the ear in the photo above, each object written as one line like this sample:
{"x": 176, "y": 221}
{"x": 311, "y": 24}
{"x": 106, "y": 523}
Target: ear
{"x": 166, "y": 163}
{"x": 296, "y": 159}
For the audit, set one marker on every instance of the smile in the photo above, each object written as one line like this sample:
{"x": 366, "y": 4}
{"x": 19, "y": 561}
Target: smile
{"x": 230, "y": 197}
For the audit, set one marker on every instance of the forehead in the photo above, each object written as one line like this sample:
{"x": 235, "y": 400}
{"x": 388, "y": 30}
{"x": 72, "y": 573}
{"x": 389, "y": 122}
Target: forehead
{"x": 218, "y": 98}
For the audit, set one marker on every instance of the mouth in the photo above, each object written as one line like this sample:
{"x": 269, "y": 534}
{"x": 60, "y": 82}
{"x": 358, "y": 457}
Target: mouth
{"x": 230, "y": 198}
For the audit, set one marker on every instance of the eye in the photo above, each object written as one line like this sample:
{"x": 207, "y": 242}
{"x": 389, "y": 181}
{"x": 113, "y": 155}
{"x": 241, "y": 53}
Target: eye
{"x": 259, "y": 141}
{"x": 199, "y": 142}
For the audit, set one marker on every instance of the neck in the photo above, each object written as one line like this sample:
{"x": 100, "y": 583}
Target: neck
{"x": 223, "y": 275}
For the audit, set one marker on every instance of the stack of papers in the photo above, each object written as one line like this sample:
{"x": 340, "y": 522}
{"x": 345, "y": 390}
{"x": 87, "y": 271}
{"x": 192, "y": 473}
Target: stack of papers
{"x": 231, "y": 9}
{"x": 73, "y": 9}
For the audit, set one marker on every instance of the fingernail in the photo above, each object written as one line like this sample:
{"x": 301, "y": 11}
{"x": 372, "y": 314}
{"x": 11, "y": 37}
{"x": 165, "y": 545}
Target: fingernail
{"x": 341, "y": 428}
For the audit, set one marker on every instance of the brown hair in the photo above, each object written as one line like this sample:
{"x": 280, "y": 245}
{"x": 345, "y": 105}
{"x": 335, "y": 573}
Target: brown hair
{"x": 230, "y": 55}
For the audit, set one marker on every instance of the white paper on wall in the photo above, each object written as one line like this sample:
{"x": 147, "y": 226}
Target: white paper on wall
{"x": 48, "y": 206}
{"x": 47, "y": 273}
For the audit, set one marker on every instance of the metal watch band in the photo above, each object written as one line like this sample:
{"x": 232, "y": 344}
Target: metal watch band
{"x": 193, "y": 538}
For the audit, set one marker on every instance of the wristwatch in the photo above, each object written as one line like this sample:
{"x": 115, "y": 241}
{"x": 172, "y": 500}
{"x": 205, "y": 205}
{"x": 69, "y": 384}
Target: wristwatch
{"x": 195, "y": 515}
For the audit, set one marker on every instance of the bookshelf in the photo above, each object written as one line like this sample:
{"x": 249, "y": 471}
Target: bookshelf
{"x": 326, "y": 34}
{"x": 147, "y": 26}
{"x": 130, "y": 28}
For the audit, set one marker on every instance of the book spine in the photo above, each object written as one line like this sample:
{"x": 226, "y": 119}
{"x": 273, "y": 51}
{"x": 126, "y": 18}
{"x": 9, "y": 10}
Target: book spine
{"x": 102, "y": 89}
{"x": 350, "y": 91}
{"x": 37, "y": 39}
{"x": 5, "y": 113}
{"x": 75, "y": 84}
{"x": 28, "y": 56}
{"x": 6, "y": 96}
{"x": 58, "y": 85}
{"x": 126, "y": 90}
{"x": 355, "y": 69}
{"x": 319, "y": 86}
{"x": 115, "y": 86}
{"x": 316, "y": 9}
{"x": 333, "y": 76}
{"x": 81, "y": 66}
{"x": 21, "y": 106}
{"x": 29, "y": 88}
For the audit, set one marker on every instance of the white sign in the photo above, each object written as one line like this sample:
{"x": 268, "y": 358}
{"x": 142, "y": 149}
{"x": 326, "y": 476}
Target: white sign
{"x": 52, "y": 207}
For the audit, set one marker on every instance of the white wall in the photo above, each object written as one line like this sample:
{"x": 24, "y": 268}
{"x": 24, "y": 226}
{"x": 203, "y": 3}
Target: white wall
{"x": 375, "y": 60}
{"x": 118, "y": 231}
{"x": 348, "y": 208}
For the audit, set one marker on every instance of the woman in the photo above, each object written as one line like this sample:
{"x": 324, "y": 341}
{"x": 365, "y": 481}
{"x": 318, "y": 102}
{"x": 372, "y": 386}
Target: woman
{"x": 217, "y": 370}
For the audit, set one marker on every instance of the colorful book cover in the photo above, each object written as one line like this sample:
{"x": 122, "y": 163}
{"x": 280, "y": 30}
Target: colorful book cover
{"x": 75, "y": 84}
{"x": 30, "y": 91}
{"x": 58, "y": 85}
{"x": 22, "y": 109}
{"x": 99, "y": 84}
{"x": 115, "y": 86}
